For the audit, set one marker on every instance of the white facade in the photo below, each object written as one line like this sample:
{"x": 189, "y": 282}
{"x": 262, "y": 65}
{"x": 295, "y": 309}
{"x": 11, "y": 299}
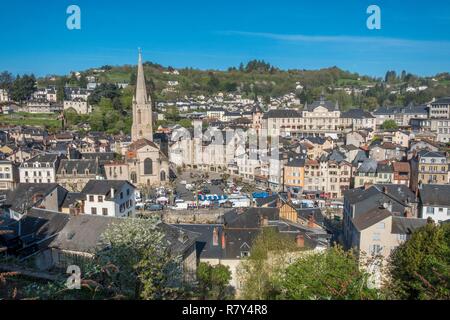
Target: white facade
{"x": 37, "y": 173}
{"x": 437, "y": 213}
{"x": 79, "y": 105}
{"x": 119, "y": 203}
{"x": 4, "y": 97}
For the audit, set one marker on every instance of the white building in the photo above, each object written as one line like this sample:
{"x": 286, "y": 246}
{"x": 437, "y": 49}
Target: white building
{"x": 79, "y": 105}
{"x": 109, "y": 198}
{"x": 4, "y": 97}
{"x": 435, "y": 202}
{"x": 39, "y": 169}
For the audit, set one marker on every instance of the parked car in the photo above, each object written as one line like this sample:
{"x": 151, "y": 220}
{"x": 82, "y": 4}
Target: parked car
{"x": 154, "y": 207}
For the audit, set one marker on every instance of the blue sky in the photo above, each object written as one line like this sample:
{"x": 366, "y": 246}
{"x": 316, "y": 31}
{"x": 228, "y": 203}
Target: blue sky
{"x": 415, "y": 35}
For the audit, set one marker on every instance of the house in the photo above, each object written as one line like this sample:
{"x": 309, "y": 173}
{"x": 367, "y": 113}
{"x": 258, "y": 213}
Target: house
{"x": 397, "y": 199}
{"x": 74, "y": 174}
{"x": 375, "y": 234}
{"x": 428, "y": 167}
{"x": 54, "y": 241}
{"x": 435, "y": 202}
{"x": 25, "y": 196}
{"x": 231, "y": 242}
{"x": 39, "y": 169}
{"x": 387, "y": 151}
{"x": 356, "y": 119}
{"x": 80, "y": 239}
{"x": 356, "y": 138}
{"x": 111, "y": 198}
{"x": 366, "y": 173}
{"x": 440, "y": 108}
{"x": 294, "y": 175}
{"x": 402, "y": 173}
{"x": 9, "y": 175}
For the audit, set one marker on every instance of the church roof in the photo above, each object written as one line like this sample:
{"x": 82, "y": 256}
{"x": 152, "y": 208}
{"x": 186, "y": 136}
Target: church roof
{"x": 141, "y": 90}
{"x": 138, "y": 144}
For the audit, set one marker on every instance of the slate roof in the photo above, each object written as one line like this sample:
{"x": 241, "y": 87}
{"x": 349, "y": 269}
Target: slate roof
{"x": 80, "y": 165}
{"x": 368, "y": 166}
{"x": 72, "y": 198}
{"x": 445, "y": 100}
{"x": 278, "y": 113}
{"x": 322, "y": 103}
{"x": 435, "y": 195}
{"x": 44, "y": 158}
{"x": 306, "y": 213}
{"x": 364, "y": 221}
{"x": 387, "y": 110}
{"x": 297, "y": 162}
{"x": 270, "y": 201}
{"x": 205, "y": 245}
{"x": 28, "y": 192}
{"x": 412, "y": 109}
{"x": 83, "y": 233}
{"x": 103, "y": 187}
{"x": 357, "y": 114}
{"x": 403, "y": 225}
{"x": 384, "y": 168}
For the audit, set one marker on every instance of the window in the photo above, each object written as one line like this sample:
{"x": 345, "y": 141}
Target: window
{"x": 376, "y": 236}
{"x": 375, "y": 249}
{"x": 93, "y": 211}
{"x": 245, "y": 254}
{"x": 91, "y": 198}
{"x": 430, "y": 210}
{"x": 401, "y": 237}
{"x": 163, "y": 176}
{"x": 381, "y": 225}
{"x": 105, "y": 211}
{"x": 100, "y": 198}
{"x": 121, "y": 195}
{"x": 148, "y": 166}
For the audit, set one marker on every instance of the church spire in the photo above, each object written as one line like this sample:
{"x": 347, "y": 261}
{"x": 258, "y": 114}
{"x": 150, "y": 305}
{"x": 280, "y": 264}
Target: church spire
{"x": 141, "y": 91}
{"x": 142, "y": 127}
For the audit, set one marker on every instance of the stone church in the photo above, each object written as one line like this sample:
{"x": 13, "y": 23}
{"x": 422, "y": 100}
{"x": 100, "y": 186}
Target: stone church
{"x": 144, "y": 164}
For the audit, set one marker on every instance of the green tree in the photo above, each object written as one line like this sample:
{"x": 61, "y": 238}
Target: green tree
{"x": 6, "y": 80}
{"x": 23, "y": 87}
{"x": 420, "y": 268}
{"x": 389, "y": 125}
{"x": 145, "y": 267}
{"x": 333, "y": 274}
{"x": 213, "y": 281}
{"x": 265, "y": 264}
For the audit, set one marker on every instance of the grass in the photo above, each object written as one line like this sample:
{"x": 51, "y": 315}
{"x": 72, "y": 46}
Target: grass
{"x": 29, "y": 119}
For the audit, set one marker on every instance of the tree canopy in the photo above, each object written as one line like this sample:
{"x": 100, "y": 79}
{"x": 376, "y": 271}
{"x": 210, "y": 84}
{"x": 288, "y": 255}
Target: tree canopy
{"x": 420, "y": 268}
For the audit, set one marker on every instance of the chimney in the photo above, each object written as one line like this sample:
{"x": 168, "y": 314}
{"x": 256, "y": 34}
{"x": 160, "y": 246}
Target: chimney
{"x": 367, "y": 185}
{"x": 300, "y": 240}
{"x": 215, "y": 237}
{"x": 311, "y": 221}
{"x": 113, "y": 193}
{"x": 264, "y": 221}
{"x": 289, "y": 196}
{"x": 223, "y": 240}
{"x": 408, "y": 213}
